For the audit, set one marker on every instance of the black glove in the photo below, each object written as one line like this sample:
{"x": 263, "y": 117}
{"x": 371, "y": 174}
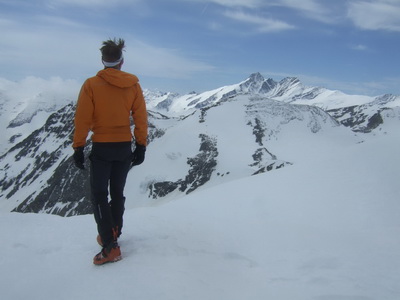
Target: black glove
{"x": 79, "y": 158}
{"x": 138, "y": 155}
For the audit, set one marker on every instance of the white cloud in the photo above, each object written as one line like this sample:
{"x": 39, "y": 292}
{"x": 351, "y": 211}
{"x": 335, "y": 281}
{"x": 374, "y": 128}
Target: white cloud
{"x": 233, "y": 3}
{"x": 375, "y": 15}
{"x": 52, "y": 47}
{"x": 359, "y": 47}
{"x": 31, "y": 86}
{"x": 46, "y": 46}
{"x": 45, "y": 43}
{"x": 154, "y": 61}
{"x": 262, "y": 24}
{"x": 304, "y": 5}
{"x": 312, "y": 9}
{"x": 328, "y": 12}
{"x": 309, "y": 6}
{"x": 91, "y": 3}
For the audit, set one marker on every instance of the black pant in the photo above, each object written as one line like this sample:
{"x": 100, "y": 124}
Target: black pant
{"x": 109, "y": 168}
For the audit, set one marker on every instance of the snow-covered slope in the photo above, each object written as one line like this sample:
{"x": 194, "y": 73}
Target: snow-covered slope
{"x": 325, "y": 228}
{"x": 244, "y": 136}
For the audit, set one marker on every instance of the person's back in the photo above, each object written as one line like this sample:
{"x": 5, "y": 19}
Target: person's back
{"x": 110, "y": 97}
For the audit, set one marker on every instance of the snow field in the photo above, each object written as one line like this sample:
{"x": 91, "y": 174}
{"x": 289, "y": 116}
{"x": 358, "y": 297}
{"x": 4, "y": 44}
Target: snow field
{"x": 325, "y": 229}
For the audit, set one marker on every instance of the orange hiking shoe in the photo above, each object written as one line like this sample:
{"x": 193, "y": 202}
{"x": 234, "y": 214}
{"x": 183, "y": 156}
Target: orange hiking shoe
{"x": 111, "y": 253}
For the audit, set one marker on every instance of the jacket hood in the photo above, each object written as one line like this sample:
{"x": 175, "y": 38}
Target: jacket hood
{"x": 118, "y": 78}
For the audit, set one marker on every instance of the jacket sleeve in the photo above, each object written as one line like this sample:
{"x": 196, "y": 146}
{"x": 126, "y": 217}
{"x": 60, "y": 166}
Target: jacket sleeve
{"x": 139, "y": 115}
{"x": 83, "y": 116}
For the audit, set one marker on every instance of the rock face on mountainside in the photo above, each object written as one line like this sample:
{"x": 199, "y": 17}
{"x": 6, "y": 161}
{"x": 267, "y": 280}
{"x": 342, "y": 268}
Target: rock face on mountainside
{"x": 367, "y": 117}
{"x": 43, "y": 160}
{"x": 222, "y": 135}
{"x": 202, "y": 167}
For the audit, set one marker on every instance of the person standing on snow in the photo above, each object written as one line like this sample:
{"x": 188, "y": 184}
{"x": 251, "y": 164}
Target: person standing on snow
{"x": 105, "y": 105}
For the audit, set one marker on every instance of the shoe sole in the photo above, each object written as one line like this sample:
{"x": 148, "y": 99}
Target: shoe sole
{"x": 118, "y": 258}
{"x": 115, "y": 259}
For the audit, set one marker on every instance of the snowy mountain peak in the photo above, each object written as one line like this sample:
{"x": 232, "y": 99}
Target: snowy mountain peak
{"x": 256, "y": 77}
{"x": 387, "y": 100}
{"x": 255, "y": 84}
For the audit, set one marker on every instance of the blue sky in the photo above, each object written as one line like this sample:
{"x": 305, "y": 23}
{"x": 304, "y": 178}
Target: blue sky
{"x": 199, "y": 45}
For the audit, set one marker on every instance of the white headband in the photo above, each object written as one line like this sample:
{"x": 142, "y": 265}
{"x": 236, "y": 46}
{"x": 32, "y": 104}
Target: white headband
{"x": 112, "y": 63}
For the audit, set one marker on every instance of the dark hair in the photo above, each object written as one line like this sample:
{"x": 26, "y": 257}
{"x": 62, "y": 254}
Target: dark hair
{"x": 112, "y": 49}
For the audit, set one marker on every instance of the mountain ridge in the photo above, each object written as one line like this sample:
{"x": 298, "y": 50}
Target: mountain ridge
{"x": 230, "y": 132}
{"x": 289, "y": 89}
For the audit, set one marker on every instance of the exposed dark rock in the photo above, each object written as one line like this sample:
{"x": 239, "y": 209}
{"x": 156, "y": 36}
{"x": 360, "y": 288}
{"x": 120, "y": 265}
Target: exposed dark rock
{"x": 201, "y": 169}
{"x": 358, "y": 118}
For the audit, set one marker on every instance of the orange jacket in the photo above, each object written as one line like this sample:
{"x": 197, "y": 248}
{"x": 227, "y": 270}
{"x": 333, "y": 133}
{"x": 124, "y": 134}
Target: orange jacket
{"x": 105, "y": 104}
